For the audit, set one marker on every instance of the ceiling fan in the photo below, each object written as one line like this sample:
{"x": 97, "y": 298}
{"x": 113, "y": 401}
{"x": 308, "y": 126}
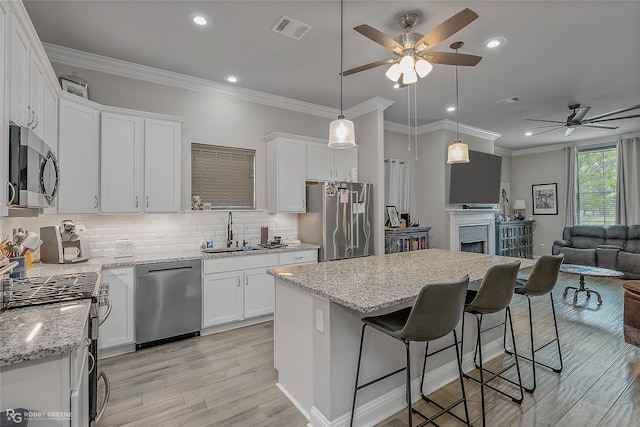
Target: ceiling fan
{"x": 576, "y": 119}
{"x": 413, "y": 56}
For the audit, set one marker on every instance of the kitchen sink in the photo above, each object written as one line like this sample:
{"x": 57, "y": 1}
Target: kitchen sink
{"x": 221, "y": 250}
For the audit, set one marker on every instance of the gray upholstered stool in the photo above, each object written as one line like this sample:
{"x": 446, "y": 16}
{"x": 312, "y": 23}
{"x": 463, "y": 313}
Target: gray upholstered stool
{"x": 435, "y": 313}
{"x": 541, "y": 282}
{"x": 493, "y": 296}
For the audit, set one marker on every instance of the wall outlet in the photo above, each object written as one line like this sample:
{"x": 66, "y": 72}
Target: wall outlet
{"x": 320, "y": 321}
{"x": 541, "y": 247}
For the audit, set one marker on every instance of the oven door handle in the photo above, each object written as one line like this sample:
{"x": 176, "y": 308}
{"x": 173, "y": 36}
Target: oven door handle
{"x": 107, "y": 313}
{"x": 107, "y": 394}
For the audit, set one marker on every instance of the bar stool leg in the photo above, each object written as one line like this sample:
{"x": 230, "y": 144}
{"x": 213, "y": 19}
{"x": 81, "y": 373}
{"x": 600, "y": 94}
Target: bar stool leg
{"x": 355, "y": 388}
{"x": 459, "y": 360}
{"x": 408, "y": 385}
{"x": 555, "y": 324}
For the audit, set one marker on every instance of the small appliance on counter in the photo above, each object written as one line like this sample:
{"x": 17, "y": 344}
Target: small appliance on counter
{"x": 63, "y": 244}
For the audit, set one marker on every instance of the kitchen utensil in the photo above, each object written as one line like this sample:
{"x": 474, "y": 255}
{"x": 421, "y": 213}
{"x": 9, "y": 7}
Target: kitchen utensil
{"x": 31, "y": 241}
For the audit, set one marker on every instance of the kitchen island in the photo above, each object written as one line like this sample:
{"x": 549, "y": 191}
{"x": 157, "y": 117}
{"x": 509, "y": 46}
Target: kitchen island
{"x": 317, "y": 327}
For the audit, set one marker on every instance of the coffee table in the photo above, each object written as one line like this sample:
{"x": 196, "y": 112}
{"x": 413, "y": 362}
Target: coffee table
{"x": 585, "y": 270}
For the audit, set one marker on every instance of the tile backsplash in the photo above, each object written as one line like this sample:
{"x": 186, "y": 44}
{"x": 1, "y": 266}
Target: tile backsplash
{"x": 161, "y": 233}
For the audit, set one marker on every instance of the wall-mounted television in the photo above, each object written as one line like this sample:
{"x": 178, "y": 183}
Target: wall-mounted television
{"x": 476, "y": 182}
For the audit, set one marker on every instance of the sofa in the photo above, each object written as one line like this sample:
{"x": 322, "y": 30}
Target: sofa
{"x": 616, "y": 247}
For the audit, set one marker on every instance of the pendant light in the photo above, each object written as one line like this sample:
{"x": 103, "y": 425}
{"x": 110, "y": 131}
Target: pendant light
{"x": 458, "y": 151}
{"x": 341, "y": 131}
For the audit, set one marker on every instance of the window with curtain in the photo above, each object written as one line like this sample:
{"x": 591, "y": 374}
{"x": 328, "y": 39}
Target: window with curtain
{"x": 223, "y": 177}
{"x": 597, "y": 179}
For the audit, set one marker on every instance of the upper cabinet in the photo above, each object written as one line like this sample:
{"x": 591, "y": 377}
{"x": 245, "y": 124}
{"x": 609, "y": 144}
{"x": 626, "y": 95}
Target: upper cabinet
{"x": 19, "y": 50}
{"x": 140, "y": 160}
{"x": 286, "y": 173}
{"x": 326, "y": 164}
{"x": 78, "y": 157}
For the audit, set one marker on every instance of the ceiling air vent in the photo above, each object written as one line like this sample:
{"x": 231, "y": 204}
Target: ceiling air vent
{"x": 290, "y": 27}
{"x": 507, "y": 101}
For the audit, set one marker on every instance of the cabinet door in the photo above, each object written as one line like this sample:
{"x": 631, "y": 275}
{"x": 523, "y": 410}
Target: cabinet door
{"x": 319, "y": 162}
{"x": 162, "y": 179}
{"x": 36, "y": 93}
{"x": 19, "y": 88}
{"x": 118, "y": 328}
{"x": 49, "y": 115}
{"x": 259, "y": 293}
{"x": 291, "y": 170}
{"x": 78, "y": 157}
{"x": 222, "y": 298}
{"x": 121, "y": 161}
{"x": 344, "y": 161}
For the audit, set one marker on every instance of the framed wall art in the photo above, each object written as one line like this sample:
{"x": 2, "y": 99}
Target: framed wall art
{"x": 77, "y": 88}
{"x": 394, "y": 220}
{"x": 545, "y": 199}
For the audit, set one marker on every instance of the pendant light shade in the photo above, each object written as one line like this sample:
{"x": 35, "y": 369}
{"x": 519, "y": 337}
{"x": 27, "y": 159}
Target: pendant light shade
{"x": 394, "y": 72}
{"x": 342, "y": 132}
{"x": 458, "y": 151}
{"x": 423, "y": 67}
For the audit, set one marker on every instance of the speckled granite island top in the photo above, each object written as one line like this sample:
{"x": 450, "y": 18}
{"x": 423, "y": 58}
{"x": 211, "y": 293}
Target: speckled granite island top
{"x": 376, "y": 282}
{"x": 60, "y": 331}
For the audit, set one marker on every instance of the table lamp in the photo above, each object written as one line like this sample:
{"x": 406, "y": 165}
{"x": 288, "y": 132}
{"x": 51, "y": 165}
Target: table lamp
{"x": 519, "y": 205}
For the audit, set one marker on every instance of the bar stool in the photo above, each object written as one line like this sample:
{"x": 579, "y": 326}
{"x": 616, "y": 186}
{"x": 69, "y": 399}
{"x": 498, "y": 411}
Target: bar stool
{"x": 493, "y": 296}
{"x": 435, "y": 313}
{"x": 540, "y": 282}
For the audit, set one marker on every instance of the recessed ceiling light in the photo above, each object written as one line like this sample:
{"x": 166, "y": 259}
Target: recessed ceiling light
{"x": 231, "y": 79}
{"x": 494, "y": 42}
{"x": 450, "y": 109}
{"x": 396, "y": 86}
{"x": 199, "y": 19}
{"x": 529, "y": 133}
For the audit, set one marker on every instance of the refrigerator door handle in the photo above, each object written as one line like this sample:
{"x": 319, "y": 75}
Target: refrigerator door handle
{"x": 355, "y": 217}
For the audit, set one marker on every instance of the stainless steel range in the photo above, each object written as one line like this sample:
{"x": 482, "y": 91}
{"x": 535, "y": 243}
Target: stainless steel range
{"x": 32, "y": 291}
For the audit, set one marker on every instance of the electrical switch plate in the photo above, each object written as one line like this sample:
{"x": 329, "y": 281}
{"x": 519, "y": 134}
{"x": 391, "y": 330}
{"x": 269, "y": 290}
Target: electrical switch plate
{"x": 320, "y": 321}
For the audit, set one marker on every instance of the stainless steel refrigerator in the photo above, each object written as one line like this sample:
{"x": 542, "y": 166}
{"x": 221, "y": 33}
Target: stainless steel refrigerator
{"x": 338, "y": 218}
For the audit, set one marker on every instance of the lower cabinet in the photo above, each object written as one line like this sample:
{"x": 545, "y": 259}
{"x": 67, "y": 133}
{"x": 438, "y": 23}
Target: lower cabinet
{"x": 118, "y": 329}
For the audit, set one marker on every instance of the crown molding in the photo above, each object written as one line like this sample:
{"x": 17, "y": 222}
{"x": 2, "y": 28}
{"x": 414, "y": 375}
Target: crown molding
{"x": 610, "y": 140}
{"x": 374, "y": 104}
{"x": 502, "y": 151}
{"x": 90, "y": 61}
{"x": 442, "y": 125}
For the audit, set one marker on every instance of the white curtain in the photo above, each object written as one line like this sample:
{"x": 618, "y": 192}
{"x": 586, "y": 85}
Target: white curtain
{"x": 627, "y": 197}
{"x": 396, "y": 182}
{"x": 571, "y": 160}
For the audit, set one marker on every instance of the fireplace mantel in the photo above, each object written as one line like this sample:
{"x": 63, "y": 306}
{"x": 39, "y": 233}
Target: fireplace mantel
{"x": 471, "y": 217}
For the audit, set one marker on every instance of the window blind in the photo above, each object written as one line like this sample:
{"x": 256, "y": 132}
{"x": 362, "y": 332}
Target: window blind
{"x": 223, "y": 176}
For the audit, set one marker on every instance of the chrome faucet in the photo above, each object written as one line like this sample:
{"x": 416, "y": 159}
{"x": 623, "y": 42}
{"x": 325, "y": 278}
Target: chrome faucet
{"x": 230, "y": 230}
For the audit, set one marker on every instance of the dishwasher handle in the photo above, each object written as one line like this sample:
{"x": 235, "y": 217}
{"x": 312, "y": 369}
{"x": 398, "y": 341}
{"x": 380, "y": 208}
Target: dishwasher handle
{"x": 169, "y": 269}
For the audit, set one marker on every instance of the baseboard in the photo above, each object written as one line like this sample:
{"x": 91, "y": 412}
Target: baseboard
{"x": 377, "y": 410}
{"x": 294, "y": 401}
{"x": 104, "y": 353}
{"x": 235, "y": 325}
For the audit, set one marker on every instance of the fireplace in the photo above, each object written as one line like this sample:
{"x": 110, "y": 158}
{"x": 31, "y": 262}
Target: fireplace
{"x": 472, "y": 230}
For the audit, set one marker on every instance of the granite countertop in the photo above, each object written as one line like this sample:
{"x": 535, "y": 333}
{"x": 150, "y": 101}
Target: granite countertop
{"x": 61, "y": 330}
{"x": 372, "y": 283}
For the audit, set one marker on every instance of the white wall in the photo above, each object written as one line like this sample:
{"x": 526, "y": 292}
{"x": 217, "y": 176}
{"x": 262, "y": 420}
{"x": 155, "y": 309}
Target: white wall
{"x": 396, "y": 147}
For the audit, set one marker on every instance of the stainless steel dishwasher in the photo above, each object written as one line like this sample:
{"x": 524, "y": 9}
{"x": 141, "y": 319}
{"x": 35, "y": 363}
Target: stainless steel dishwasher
{"x": 168, "y": 302}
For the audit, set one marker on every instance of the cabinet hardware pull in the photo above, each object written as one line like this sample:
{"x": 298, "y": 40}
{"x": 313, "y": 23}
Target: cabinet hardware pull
{"x": 13, "y": 193}
{"x": 246, "y": 281}
{"x": 238, "y": 278}
{"x": 297, "y": 257}
{"x": 136, "y": 201}
{"x": 97, "y": 202}
{"x": 37, "y": 120}
{"x": 147, "y": 201}
{"x": 93, "y": 361}
{"x": 31, "y": 115}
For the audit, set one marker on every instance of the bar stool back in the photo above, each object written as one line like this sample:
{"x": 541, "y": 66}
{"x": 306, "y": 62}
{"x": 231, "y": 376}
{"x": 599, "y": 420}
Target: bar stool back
{"x": 494, "y": 295}
{"x": 435, "y": 313}
{"x": 540, "y": 282}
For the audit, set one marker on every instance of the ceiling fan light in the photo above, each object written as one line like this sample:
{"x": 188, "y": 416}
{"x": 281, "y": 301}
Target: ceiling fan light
{"x": 423, "y": 67}
{"x": 394, "y": 72}
{"x": 458, "y": 153}
{"x": 409, "y": 77}
{"x": 342, "y": 133}
{"x": 406, "y": 63}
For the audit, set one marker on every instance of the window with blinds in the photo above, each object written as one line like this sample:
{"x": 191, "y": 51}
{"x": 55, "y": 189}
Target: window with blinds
{"x": 223, "y": 177}
{"x": 597, "y": 179}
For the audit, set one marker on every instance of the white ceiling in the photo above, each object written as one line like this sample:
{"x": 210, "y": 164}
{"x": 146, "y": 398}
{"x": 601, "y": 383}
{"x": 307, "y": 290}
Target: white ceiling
{"x": 557, "y": 53}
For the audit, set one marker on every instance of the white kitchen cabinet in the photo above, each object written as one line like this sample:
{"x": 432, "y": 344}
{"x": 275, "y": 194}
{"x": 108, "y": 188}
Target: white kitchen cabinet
{"x": 286, "y": 173}
{"x": 162, "y": 179}
{"x": 19, "y": 74}
{"x": 325, "y": 163}
{"x": 298, "y": 257}
{"x": 78, "y": 157}
{"x": 118, "y": 329}
{"x": 122, "y": 139}
{"x": 36, "y": 96}
{"x": 49, "y": 123}
{"x": 237, "y": 288}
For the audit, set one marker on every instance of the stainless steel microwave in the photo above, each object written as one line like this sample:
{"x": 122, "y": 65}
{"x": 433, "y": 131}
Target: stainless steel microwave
{"x": 34, "y": 175}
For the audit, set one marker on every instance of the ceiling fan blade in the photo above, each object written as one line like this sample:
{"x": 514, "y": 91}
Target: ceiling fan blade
{"x": 446, "y": 29}
{"x": 569, "y": 131}
{"x": 582, "y": 111}
{"x": 368, "y": 66}
{"x": 600, "y": 126}
{"x": 451, "y": 58}
{"x": 547, "y": 121}
{"x": 591, "y": 119}
{"x": 609, "y": 120}
{"x": 548, "y": 130}
{"x": 533, "y": 128}
{"x": 379, "y": 37}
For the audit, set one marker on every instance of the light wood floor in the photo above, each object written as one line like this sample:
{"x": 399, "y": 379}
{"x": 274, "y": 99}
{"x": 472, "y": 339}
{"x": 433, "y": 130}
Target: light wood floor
{"x": 228, "y": 379}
